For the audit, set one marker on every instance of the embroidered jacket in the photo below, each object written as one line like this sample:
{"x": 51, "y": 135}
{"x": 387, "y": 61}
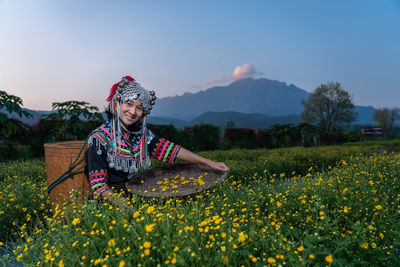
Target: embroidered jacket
{"x": 107, "y": 166}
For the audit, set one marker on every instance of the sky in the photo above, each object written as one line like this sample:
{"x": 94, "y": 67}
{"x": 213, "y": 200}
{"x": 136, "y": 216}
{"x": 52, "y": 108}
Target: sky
{"x": 55, "y": 51}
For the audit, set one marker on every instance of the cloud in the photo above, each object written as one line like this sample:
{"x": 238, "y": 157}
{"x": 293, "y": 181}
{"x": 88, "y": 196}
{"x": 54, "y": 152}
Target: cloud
{"x": 240, "y": 72}
{"x": 244, "y": 71}
{"x": 194, "y": 86}
{"x": 219, "y": 79}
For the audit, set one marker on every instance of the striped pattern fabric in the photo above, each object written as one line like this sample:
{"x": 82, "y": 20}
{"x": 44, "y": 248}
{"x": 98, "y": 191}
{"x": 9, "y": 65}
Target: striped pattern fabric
{"x": 98, "y": 181}
{"x": 166, "y": 151}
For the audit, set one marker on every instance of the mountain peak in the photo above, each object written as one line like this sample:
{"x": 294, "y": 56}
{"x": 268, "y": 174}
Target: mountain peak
{"x": 248, "y": 95}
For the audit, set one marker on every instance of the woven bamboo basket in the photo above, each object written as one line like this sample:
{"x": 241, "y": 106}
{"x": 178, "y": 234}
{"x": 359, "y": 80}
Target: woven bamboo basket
{"x": 59, "y": 156}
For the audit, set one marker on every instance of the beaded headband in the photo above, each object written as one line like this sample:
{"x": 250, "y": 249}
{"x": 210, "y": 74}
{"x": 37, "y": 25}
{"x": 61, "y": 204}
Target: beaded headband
{"x": 128, "y": 89}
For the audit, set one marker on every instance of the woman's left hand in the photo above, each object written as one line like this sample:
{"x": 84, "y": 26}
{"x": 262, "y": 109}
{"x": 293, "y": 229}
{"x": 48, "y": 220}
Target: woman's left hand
{"x": 220, "y": 166}
{"x": 186, "y": 155}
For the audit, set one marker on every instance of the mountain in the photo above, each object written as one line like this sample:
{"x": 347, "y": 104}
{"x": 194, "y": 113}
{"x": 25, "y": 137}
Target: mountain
{"x": 264, "y": 96}
{"x": 254, "y": 103}
{"x": 249, "y": 96}
{"x": 36, "y": 114}
{"x": 364, "y": 115}
{"x": 180, "y": 124}
{"x": 253, "y": 120}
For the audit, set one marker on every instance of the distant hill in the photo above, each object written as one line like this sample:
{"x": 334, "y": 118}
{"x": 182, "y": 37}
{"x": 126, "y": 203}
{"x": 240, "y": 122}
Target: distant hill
{"x": 254, "y": 120}
{"x": 255, "y": 103}
{"x": 264, "y": 96}
{"x": 246, "y": 96}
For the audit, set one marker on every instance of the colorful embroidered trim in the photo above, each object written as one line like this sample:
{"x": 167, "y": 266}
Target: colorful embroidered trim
{"x": 166, "y": 151}
{"x": 98, "y": 181}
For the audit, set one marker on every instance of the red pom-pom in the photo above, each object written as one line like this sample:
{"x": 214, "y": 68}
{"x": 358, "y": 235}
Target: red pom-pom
{"x": 115, "y": 87}
{"x": 129, "y": 78}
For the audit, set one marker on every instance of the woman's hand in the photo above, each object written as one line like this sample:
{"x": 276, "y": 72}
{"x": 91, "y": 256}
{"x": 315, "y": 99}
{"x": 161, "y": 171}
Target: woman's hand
{"x": 220, "y": 166}
{"x": 186, "y": 155}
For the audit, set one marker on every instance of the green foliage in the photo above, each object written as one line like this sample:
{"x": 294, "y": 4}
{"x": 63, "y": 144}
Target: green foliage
{"x": 240, "y": 137}
{"x": 205, "y": 137}
{"x": 353, "y": 136}
{"x": 12, "y": 104}
{"x": 73, "y": 120}
{"x": 284, "y": 135}
{"x": 329, "y": 106}
{"x": 379, "y": 143}
{"x": 167, "y": 131}
{"x": 23, "y": 197}
{"x": 343, "y": 215}
{"x": 386, "y": 118}
{"x": 10, "y": 127}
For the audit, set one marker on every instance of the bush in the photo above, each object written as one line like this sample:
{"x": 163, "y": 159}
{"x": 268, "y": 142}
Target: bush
{"x": 205, "y": 137}
{"x": 240, "y": 137}
{"x": 352, "y": 136}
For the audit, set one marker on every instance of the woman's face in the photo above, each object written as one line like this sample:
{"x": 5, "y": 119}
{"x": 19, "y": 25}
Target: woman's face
{"x": 131, "y": 112}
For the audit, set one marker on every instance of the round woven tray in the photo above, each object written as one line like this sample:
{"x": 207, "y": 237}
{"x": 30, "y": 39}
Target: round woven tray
{"x": 180, "y": 179}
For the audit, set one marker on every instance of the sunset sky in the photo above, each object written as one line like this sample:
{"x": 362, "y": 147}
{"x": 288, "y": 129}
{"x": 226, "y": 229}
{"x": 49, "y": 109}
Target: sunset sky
{"x": 54, "y": 51}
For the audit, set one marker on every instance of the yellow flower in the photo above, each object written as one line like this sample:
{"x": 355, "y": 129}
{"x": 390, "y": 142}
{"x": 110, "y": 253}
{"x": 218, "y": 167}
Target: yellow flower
{"x": 149, "y": 227}
{"x": 329, "y": 258}
{"x": 346, "y": 209}
{"x": 176, "y": 249}
{"x": 76, "y": 221}
{"x": 224, "y": 259}
{"x": 111, "y": 243}
{"x": 301, "y": 248}
{"x": 223, "y": 235}
{"x": 364, "y": 245}
{"x": 271, "y": 260}
{"x": 61, "y": 264}
{"x": 136, "y": 214}
{"x": 378, "y": 207}
{"x": 278, "y": 204}
{"x": 121, "y": 264}
{"x": 173, "y": 261}
{"x": 19, "y": 257}
{"x": 147, "y": 244}
{"x": 1, "y": 243}
{"x": 150, "y": 209}
{"x": 373, "y": 245}
{"x": 242, "y": 237}
{"x": 311, "y": 256}
{"x": 223, "y": 248}
{"x": 147, "y": 252}
{"x": 253, "y": 259}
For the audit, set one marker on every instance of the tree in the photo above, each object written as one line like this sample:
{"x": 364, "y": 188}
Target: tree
{"x": 386, "y": 118}
{"x": 284, "y": 135}
{"x": 72, "y": 120}
{"x": 205, "y": 137}
{"x": 329, "y": 106}
{"x": 12, "y": 104}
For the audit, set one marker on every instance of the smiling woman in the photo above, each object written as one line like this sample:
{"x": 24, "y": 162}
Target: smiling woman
{"x": 131, "y": 111}
{"x": 123, "y": 146}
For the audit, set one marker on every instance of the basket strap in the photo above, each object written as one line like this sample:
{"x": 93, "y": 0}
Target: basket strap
{"x": 68, "y": 173}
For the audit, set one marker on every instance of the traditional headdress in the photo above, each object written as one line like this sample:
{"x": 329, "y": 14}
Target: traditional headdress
{"x": 127, "y": 90}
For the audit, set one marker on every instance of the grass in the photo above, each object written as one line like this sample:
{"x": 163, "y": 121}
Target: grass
{"x": 340, "y": 207}
{"x": 380, "y": 143}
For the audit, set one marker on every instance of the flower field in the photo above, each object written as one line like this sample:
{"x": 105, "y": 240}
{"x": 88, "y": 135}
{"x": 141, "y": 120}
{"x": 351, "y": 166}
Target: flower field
{"x": 336, "y": 206}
